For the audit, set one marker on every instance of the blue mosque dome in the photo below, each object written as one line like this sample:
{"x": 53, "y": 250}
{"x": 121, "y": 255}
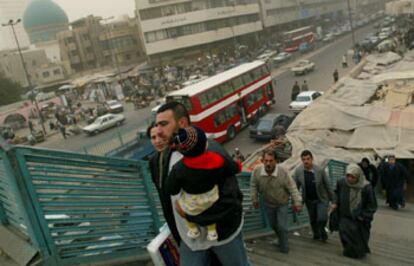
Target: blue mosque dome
{"x": 43, "y": 19}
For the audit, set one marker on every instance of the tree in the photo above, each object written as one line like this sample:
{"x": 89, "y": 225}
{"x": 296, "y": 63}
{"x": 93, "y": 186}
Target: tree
{"x": 9, "y": 90}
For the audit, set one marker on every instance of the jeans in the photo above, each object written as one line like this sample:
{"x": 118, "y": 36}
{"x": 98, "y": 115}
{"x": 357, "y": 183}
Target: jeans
{"x": 278, "y": 219}
{"x": 318, "y": 216}
{"x": 230, "y": 254}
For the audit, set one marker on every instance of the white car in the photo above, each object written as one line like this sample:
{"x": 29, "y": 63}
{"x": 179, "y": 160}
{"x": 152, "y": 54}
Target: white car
{"x": 282, "y": 57}
{"x": 303, "y": 67}
{"x": 266, "y": 55}
{"x": 328, "y": 37}
{"x": 303, "y": 100}
{"x": 104, "y": 122}
{"x": 114, "y": 106}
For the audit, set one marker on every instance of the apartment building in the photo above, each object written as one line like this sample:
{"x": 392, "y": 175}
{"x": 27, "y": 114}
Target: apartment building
{"x": 174, "y": 28}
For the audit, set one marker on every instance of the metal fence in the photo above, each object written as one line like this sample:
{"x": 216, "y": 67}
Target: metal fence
{"x": 79, "y": 209}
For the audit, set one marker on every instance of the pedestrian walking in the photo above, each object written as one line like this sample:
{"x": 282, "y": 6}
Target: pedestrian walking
{"x": 295, "y": 91}
{"x": 394, "y": 177}
{"x": 229, "y": 247}
{"x": 275, "y": 185}
{"x": 344, "y": 61}
{"x": 31, "y": 126}
{"x": 237, "y": 155}
{"x": 335, "y": 75}
{"x": 304, "y": 86}
{"x": 355, "y": 205}
{"x": 62, "y": 129}
{"x": 370, "y": 171}
{"x": 316, "y": 193}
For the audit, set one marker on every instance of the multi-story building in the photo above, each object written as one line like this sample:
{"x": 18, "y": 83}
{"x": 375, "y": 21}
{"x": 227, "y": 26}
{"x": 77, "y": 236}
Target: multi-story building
{"x": 39, "y": 69}
{"x": 91, "y": 44}
{"x": 281, "y": 14}
{"x": 80, "y": 46}
{"x": 364, "y": 7}
{"x": 120, "y": 42}
{"x": 175, "y": 28}
{"x": 12, "y": 9}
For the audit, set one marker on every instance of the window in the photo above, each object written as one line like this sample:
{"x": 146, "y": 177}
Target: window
{"x": 247, "y": 78}
{"x": 254, "y": 97}
{"x": 45, "y": 74}
{"x": 226, "y": 89}
{"x": 237, "y": 83}
{"x": 56, "y": 71}
{"x": 225, "y": 115}
{"x": 34, "y": 62}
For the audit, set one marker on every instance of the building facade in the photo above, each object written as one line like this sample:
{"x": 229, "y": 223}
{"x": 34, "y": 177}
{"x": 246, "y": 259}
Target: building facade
{"x": 282, "y": 12}
{"x": 39, "y": 69}
{"x": 182, "y": 25}
{"x": 120, "y": 42}
{"x": 80, "y": 46}
{"x": 12, "y": 9}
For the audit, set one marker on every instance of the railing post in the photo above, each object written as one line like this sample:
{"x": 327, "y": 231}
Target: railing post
{"x": 148, "y": 189}
{"x": 120, "y": 138}
{"x": 3, "y": 217}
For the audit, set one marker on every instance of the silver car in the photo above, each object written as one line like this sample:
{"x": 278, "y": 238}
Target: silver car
{"x": 104, "y": 122}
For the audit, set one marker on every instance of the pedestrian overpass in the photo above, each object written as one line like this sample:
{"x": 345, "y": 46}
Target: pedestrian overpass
{"x": 64, "y": 208}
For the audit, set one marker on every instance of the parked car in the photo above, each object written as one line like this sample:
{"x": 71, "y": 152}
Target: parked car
{"x": 303, "y": 100}
{"x": 104, "y": 122}
{"x": 114, "y": 106}
{"x": 305, "y": 47}
{"x": 303, "y": 67}
{"x": 269, "y": 126}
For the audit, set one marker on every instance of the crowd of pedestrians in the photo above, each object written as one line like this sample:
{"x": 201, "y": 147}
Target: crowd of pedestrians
{"x": 202, "y": 202}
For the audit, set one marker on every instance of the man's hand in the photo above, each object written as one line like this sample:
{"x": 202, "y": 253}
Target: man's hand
{"x": 255, "y": 204}
{"x": 333, "y": 206}
{"x": 179, "y": 209}
{"x": 296, "y": 208}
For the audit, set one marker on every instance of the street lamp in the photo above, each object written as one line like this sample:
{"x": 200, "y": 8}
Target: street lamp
{"x": 11, "y": 24}
{"x": 110, "y": 46}
{"x": 351, "y": 23}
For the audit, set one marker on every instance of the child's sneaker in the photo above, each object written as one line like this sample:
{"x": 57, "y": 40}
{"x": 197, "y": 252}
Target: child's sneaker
{"x": 212, "y": 235}
{"x": 193, "y": 233}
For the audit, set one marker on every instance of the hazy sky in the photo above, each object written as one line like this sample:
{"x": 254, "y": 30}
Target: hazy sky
{"x": 80, "y": 8}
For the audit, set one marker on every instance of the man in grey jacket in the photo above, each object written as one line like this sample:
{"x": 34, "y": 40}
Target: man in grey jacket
{"x": 316, "y": 193}
{"x": 275, "y": 185}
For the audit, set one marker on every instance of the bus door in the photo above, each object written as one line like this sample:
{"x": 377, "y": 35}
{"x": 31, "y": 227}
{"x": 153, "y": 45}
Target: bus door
{"x": 242, "y": 113}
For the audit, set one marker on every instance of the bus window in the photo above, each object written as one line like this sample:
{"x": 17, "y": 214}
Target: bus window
{"x": 237, "y": 83}
{"x": 203, "y": 99}
{"x": 254, "y": 97}
{"x": 225, "y": 115}
{"x": 214, "y": 94}
{"x": 247, "y": 79}
{"x": 226, "y": 89}
{"x": 184, "y": 100}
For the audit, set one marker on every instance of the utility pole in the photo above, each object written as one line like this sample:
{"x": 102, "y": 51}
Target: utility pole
{"x": 11, "y": 24}
{"x": 110, "y": 46}
{"x": 351, "y": 23}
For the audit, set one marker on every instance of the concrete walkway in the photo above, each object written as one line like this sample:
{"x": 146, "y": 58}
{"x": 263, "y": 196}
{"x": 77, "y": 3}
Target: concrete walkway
{"x": 392, "y": 243}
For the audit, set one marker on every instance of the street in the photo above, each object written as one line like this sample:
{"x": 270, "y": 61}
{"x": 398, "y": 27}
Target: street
{"x": 326, "y": 60}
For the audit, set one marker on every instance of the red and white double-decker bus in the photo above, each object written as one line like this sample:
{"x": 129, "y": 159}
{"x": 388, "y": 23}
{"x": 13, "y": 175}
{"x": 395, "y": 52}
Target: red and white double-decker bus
{"x": 293, "y": 38}
{"x": 223, "y": 104}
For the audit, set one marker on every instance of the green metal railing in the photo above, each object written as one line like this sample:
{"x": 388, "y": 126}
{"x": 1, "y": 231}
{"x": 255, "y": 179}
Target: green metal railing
{"x": 79, "y": 209}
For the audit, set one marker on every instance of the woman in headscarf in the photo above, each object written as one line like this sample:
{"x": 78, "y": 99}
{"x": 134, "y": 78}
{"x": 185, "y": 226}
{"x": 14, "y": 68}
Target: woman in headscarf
{"x": 356, "y": 205}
